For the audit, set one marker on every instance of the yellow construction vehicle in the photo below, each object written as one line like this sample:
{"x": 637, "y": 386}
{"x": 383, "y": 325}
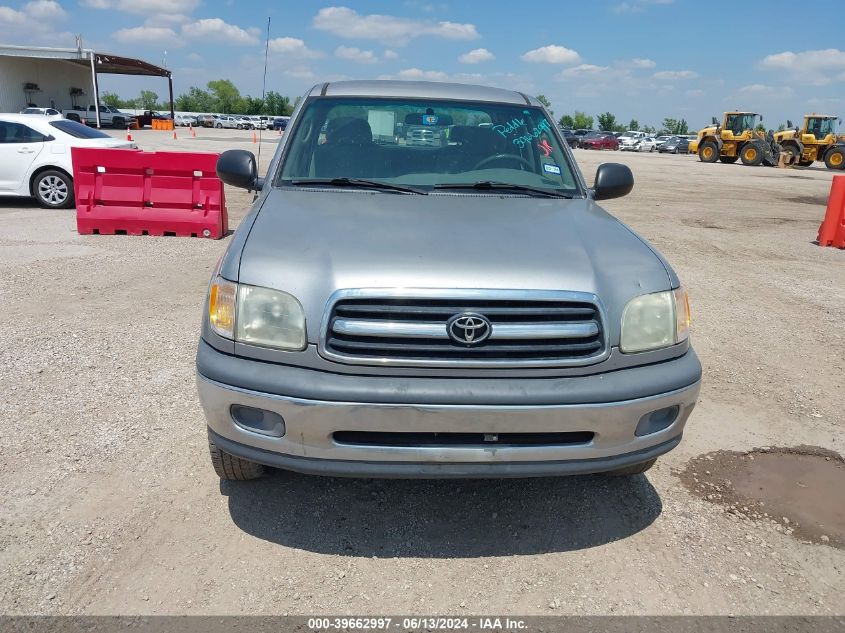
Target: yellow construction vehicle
{"x": 735, "y": 139}
{"x": 816, "y": 140}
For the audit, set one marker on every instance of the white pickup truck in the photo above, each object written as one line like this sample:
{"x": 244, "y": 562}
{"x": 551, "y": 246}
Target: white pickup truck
{"x": 109, "y": 116}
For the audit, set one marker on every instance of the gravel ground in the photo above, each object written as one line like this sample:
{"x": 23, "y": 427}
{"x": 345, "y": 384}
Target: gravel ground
{"x": 110, "y": 504}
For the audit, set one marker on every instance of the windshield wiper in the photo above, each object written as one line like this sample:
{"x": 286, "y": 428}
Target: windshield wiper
{"x": 489, "y": 185}
{"x": 358, "y": 182}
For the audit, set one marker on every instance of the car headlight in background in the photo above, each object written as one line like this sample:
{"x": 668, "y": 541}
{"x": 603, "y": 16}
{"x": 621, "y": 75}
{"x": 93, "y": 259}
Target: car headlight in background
{"x": 255, "y": 315}
{"x": 655, "y": 320}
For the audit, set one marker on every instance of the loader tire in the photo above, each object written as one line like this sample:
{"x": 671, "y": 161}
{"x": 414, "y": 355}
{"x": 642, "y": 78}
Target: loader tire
{"x": 751, "y": 154}
{"x": 708, "y": 152}
{"x": 835, "y": 158}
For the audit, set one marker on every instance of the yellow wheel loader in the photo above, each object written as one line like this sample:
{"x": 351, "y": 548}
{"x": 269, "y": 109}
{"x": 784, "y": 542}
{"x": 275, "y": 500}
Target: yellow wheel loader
{"x": 735, "y": 139}
{"x": 815, "y": 140}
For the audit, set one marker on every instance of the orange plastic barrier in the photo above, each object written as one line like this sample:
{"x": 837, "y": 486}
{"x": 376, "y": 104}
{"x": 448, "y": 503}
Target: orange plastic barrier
{"x": 148, "y": 193}
{"x": 162, "y": 124}
{"x": 832, "y": 229}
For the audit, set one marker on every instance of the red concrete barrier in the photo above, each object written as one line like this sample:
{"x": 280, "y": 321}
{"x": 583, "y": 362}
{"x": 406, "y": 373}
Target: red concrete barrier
{"x": 832, "y": 229}
{"x": 148, "y": 193}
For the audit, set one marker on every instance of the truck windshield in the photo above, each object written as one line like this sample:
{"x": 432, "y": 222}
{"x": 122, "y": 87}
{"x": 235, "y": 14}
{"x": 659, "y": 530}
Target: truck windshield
{"x": 426, "y": 144}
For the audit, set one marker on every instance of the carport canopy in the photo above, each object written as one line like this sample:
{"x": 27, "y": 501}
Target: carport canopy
{"x": 99, "y": 63}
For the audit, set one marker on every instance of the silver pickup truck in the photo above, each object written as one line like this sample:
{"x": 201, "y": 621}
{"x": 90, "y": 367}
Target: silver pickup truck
{"x": 464, "y": 309}
{"x": 109, "y": 116}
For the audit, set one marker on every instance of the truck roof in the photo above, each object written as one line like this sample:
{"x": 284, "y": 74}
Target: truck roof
{"x": 420, "y": 89}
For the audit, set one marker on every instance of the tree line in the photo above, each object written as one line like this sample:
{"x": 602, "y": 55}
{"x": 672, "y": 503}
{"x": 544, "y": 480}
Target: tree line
{"x": 607, "y": 122}
{"x": 219, "y": 95}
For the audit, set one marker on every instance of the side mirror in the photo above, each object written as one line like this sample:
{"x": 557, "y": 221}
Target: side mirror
{"x": 714, "y": 120}
{"x": 237, "y": 167}
{"x": 761, "y": 118}
{"x": 613, "y": 180}
{"x": 788, "y": 123}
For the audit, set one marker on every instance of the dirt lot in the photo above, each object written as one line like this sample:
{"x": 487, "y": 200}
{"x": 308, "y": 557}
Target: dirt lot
{"x": 110, "y": 504}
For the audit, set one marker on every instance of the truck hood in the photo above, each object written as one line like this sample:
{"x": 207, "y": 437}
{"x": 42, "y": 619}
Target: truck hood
{"x": 311, "y": 243}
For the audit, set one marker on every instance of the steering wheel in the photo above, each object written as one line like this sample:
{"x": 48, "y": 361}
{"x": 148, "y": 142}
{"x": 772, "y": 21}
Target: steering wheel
{"x": 496, "y": 157}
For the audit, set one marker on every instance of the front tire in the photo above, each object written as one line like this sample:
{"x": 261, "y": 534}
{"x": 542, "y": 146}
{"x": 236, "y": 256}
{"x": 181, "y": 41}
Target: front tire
{"x": 636, "y": 469}
{"x": 708, "y": 152}
{"x": 219, "y": 126}
{"x": 835, "y": 158}
{"x": 233, "y": 468}
{"x": 118, "y": 123}
{"x": 751, "y": 155}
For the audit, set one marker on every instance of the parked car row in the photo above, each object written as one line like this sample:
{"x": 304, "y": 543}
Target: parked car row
{"x": 631, "y": 141}
{"x": 234, "y": 121}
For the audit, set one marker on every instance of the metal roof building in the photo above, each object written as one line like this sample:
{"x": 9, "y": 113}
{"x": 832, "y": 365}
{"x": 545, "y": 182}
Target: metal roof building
{"x": 63, "y": 77}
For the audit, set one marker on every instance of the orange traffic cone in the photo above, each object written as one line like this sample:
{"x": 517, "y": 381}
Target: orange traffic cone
{"x": 174, "y": 135}
{"x": 193, "y": 131}
{"x": 832, "y": 229}
{"x": 254, "y": 138}
{"x": 128, "y": 134}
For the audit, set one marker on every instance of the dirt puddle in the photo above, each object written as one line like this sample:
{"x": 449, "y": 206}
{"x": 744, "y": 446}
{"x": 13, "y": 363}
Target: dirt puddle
{"x": 801, "y": 489}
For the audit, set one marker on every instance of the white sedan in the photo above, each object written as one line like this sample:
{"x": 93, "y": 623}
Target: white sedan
{"x": 35, "y": 156}
{"x": 50, "y": 113}
{"x": 648, "y": 144}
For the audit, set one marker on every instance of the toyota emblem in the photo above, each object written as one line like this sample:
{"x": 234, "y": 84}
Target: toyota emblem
{"x": 469, "y": 328}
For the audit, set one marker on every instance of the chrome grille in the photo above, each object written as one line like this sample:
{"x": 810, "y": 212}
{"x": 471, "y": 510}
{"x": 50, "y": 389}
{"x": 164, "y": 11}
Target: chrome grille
{"x": 526, "y": 328}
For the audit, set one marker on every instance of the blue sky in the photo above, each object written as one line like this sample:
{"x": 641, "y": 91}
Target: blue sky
{"x": 643, "y": 59}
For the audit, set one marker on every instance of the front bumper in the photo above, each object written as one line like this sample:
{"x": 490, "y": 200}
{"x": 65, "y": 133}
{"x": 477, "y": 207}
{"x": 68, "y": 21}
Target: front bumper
{"x": 603, "y": 404}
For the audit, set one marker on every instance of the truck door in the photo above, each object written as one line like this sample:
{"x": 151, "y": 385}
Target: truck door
{"x": 19, "y": 147}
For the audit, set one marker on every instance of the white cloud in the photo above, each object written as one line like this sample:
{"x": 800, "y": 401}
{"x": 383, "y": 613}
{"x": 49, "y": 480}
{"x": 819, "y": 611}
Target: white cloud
{"x": 35, "y": 23}
{"x": 695, "y": 93}
{"x": 672, "y": 75}
{"x": 149, "y": 35}
{"x": 389, "y": 54}
{"x": 581, "y": 70}
{"x": 45, "y": 10}
{"x": 416, "y": 73}
{"x": 348, "y": 23}
{"x": 815, "y": 67}
{"x": 552, "y": 54}
{"x": 195, "y": 57}
{"x": 299, "y": 73}
{"x": 356, "y": 55}
{"x": 477, "y": 56}
{"x": 639, "y": 62}
{"x": 218, "y": 31}
{"x": 8, "y": 16}
{"x": 144, "y": 7}
{"x": 762, "y": 90}
{"x": 293, "y": 47}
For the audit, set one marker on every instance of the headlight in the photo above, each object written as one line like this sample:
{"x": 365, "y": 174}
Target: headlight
{"x": 254, "y": 315}
{"x": 655, "y": 320}
{"x": 270, "y": 318}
